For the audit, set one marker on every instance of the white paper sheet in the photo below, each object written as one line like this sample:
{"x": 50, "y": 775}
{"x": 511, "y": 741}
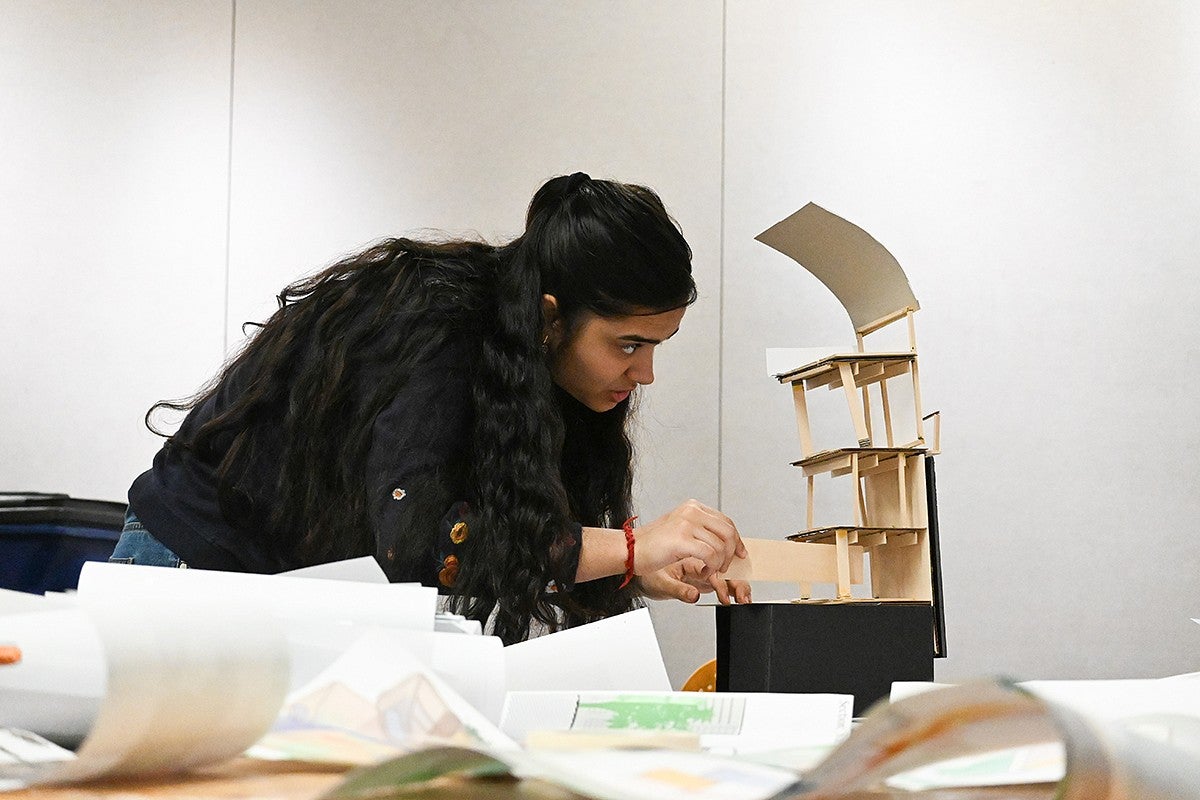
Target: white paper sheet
{"x": 56, "y": 688}
{"x": 293, "y": 601}
{"x": 22, "y": 602}
{"x": 619, "y": 653}
{"x": 392, "y": 691}
{"x": 726, "y": 722}
{"x": 318, "y": 617}
{"x": 361, "y": 570}
{"x": 191, "y": 666}
{"x": 23, "y": 754}
{"x": 189, "y": 679}
{"x": 1129, "y": 701}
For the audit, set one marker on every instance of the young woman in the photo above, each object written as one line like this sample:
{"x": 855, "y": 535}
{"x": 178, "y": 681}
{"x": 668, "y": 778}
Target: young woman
{"x": 458, "y": 410}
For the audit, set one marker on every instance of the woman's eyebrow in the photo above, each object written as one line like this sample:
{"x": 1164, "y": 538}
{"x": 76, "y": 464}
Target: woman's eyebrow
{"x": 633, "y": 337}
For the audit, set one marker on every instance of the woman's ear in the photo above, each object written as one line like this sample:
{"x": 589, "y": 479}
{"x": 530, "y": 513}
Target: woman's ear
{"x": 549, "y": 311}
{"x": 551, "y": 321}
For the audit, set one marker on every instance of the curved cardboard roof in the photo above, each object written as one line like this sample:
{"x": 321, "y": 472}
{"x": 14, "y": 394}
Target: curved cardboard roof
{"x": 861, "y": 273}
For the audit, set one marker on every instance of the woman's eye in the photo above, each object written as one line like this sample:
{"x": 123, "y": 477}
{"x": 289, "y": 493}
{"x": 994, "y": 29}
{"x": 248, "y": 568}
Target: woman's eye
{"x": 629, "y": 349}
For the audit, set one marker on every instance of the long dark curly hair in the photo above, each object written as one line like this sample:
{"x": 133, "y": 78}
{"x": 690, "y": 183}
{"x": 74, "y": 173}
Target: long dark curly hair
{"x": 344, "y": 341}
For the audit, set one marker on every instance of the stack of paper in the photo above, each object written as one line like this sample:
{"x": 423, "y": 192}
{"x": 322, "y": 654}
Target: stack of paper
{"x": 147, "y": 670}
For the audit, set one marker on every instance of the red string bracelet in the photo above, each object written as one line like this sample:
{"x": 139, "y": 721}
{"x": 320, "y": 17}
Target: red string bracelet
{"x": 627, "y": 526}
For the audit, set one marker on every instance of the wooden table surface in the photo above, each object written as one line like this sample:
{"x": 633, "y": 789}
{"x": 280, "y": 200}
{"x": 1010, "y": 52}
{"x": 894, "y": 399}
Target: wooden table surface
{"x": 243, "y": 778}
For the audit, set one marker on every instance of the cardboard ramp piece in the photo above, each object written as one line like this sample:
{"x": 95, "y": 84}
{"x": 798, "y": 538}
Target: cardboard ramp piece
{"x": 864, "y": 277}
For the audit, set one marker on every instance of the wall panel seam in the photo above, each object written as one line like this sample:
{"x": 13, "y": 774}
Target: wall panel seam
{"x": 229, "y": 175}
{"x": 721, "y": 270}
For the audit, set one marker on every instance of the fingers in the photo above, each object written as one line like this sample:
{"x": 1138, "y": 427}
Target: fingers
{"x": 718, "y": 532}
{"x": 682, "y": 581}
{"x": 667, "y": 586}
{"x": 691, "y": 571}
{"x": 740, "y": 591}
{"x": 691, "y": 530}
{"x": 730, "y": 591}
{"x": 721, "y": 588}
{"x": 683, "y": 591}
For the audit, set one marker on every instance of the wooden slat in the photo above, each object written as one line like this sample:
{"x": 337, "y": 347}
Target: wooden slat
{"x": 887, "y": 414}
{"x": 821, "y": 367}
{"x": 802, "y": 423}
{"x": 827, "y": 533}
{"x": 880, "y": 466}
{"x": 902, "y": 368}
{"x": 836, "y": 462}
{"x": 866, "y": 404}
{"x": 869, "y": 540}
{"x": 831, "y": 377}
{"x": 820, "y": 461}
{"x": 842, "y": 545}
{"x": 793, "y": 562}
{"x": 935, "y": 446}
{"x": 860, "y": 506}
{"x": 916, "y": 382}
{"x": 871, "y": 327}
{"x": 868, "y": 372}
{"x": 811, "y": 500}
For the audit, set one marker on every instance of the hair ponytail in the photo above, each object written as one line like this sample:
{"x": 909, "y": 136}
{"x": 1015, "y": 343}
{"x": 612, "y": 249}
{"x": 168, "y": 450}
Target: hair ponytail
{"x": 517, "y": 435}
{"x": 540, "y": 458}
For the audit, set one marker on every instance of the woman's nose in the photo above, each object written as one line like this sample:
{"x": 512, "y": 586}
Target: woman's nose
{"x": 642, "y": 369}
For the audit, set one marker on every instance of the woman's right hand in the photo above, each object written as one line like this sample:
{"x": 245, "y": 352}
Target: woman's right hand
{"x": 690, "y": 530}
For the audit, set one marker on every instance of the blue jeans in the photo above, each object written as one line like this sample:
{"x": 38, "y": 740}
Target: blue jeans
{"x": 137, "y": 546}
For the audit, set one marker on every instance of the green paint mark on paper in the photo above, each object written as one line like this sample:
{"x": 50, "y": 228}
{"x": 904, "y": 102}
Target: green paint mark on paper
{"x": 645, "y": 713}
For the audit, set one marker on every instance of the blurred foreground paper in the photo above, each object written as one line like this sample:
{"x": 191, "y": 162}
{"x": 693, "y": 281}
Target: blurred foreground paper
{"x": 1157, "y": 708}
{"x": 1149, "y": 756}
{"x": 57, "y": 687}
{"x": 620, "y": 653}
{"x": 23, "y": 603}
{"x": 391, "y": 692}
{"x": 603, "y": 774}
{"x": 186, "y": 680}
{"x": 159, "y": 670}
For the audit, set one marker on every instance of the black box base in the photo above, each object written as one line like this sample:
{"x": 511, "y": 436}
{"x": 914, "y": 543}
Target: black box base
{"x": 841, "y": 648}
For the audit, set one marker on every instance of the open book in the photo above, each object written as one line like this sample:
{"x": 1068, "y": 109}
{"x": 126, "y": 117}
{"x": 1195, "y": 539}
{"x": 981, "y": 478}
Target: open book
{"x": 1154, "y": 756}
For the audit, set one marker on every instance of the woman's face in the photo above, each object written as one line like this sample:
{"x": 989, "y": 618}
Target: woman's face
{"x": 606, "y": 358}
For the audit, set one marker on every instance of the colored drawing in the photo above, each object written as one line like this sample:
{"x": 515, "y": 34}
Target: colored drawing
{"x": 703, "y": 714}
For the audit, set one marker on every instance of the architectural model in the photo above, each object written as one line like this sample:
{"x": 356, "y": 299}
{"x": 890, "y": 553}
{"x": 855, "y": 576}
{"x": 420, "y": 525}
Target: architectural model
{"x": 889, "y": 518}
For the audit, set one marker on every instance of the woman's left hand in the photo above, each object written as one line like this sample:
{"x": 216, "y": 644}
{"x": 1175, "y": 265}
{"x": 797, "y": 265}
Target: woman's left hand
{"x": 681, "y": 581}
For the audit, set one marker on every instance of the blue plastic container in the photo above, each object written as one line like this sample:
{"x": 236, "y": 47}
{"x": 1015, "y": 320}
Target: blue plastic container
{"x": 46, "y": 538}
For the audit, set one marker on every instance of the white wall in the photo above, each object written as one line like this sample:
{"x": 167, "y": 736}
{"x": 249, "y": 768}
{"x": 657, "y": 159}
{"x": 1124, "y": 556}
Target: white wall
{"x": 113, "y": 135}
{"x": 1032, "y": 166}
